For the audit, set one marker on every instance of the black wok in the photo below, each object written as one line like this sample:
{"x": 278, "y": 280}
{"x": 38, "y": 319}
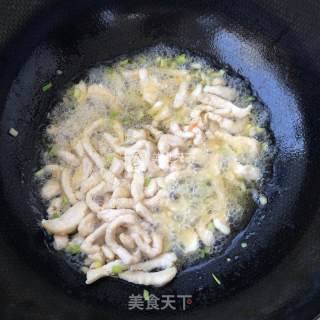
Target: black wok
{"x": 276, "y": 275}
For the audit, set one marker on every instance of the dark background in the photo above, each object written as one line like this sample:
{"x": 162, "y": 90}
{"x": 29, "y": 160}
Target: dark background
{"x": 18, "y": 299}
{"x": 301, "y": 16}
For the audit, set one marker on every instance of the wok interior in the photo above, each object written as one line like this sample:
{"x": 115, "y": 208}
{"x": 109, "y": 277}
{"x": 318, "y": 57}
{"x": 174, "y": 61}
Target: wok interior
{"x": 76, "y": 43}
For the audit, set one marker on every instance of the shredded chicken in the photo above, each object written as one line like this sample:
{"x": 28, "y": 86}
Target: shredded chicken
{"x": 157, "y": 279}
{"x": 68, "y": 222}
{"x": 144, "y": 168}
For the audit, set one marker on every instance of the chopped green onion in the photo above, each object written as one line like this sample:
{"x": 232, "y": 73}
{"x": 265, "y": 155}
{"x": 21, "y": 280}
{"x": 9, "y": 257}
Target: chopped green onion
{"x": 204, "y": 252}
{"x": 146, "y": 295}
{"x": 125, "y": 120}
{"x": 52, "y": 152}
{"x": 109, "y": 159}
{"x": 47, "y": 87}
{"x": 203, "y": 82}
{"x": 162, "y": 62}
{"x": 210, "y": 226}
{"x": 55, "y": 215}
{"x": 113, "y": 114}
{"x": 84, "y": 269}
{"x": 13, "y": 132}
{"x": 108, "y": 71}
{"x": 252, "y": 132}
{"x": 39, "y": 173}
{"x": 87, "y": 262}
{"x": 123, "y": 62}
{"x": 70, "y": 91}
{"x": 216, "y": 279}
{"x": 96, "y": 264}
{"x": 181, "y": 59}
{"x": 265, "y": 147}
{"x": 180, "y": 117}
{"x": 73, "y": 248}
{"x": 244, "y": 245}
{"x": 260, "y": 130}
{"x": 141, "y": 60}
{"x": 248, "y": 128}
{"x": 147, "y": 181}
{"x": 116, "y": 269}
{"x": 65, "y": 201}
{"x": 248, "y": 99}
{"x": 263, "y": 200}
{"x": 173, "y": 64}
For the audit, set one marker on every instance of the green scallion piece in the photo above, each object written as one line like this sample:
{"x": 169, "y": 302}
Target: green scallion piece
{"x": 146, "y": 295}
{"x": 123, "y": 62}
{"x": 210, "y": 226}
{"x": 65, "y": 201}
{"x": 52, "y": 151}
{"x": 263, "y": 200}
{"x": 244, "y": 245}
{"x": 162, "y": 62}
{"x": 96, "y": 264}
{"x": 265, "y": 147}
{"x": 204, "y": 252}
{"x": 73, "y": 248}
{"x": 108, "y": 71}
{"x": 125, "y": 121}
{"x": 109, "y": 159}
{"x": 47, "y": 87}
{"x": 55, "y": 215}
{"x": 116, "y": 269}
{"x": 181, "y": 59}
{"x": 39, "y": 173}
{"x": 248, "y": 99}
{"x": 13, "y": 132}
{"x": 147, "y": 181}
{"x": 84, "y": 269}
{"x": 216, "y": 279}
{"x": 113, "y": 114}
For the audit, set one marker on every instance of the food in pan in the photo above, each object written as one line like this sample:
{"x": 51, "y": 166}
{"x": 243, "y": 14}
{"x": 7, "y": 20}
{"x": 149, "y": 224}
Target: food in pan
{"x": 152, "y": 162}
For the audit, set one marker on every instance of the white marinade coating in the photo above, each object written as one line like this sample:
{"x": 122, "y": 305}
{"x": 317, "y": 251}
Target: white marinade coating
{"x": 143, "y": 189}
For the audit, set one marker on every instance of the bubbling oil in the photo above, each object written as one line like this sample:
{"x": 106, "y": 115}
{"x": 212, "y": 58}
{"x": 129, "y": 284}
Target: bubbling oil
{"x": 207, "y": 187}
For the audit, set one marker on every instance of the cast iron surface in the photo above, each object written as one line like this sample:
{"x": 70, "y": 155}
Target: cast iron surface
{"x": 276, "y": 276}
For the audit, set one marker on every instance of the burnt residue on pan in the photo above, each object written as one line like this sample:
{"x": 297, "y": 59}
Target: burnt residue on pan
{"x": 101, "y": 32}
